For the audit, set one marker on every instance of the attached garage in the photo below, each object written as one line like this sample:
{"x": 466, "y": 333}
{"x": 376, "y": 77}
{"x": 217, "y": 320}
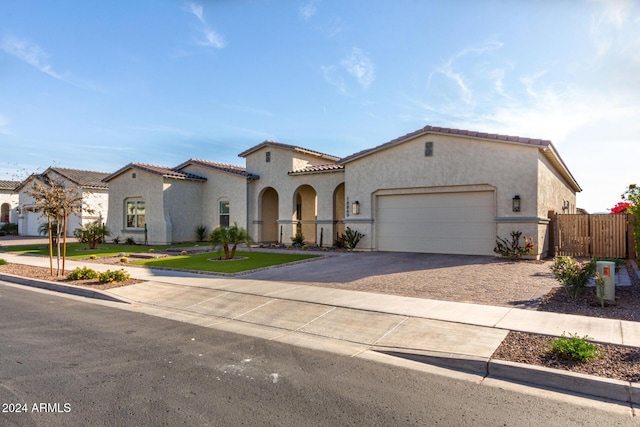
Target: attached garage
{"x": 450, "y": 223}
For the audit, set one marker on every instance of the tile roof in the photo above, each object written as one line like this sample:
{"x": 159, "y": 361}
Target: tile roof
{"x": 447, "y": 131}
{"x": 164, "y": 171}
{"x": 82, "y": 178}
{"x": 9, "y": 185}
{"x": 287, "y": 147}
{"x": 317, "y": 169}
{"x": 239, "y": 170}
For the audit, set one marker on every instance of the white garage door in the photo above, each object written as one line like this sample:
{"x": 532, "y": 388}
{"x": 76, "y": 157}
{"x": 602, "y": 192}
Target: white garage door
{"x": 448, "y": 223}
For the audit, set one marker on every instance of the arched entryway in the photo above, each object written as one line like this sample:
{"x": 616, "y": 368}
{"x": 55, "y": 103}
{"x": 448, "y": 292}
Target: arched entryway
{"x": 305, "y": 212}
{"x": 269, "y": 215}
{"x": 5, "y": 209}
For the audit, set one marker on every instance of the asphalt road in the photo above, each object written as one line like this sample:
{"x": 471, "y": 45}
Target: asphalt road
{"x": 67, "y": 362}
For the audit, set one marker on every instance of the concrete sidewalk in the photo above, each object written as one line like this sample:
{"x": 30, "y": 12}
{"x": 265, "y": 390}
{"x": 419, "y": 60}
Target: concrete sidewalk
{"x": 451, "y": 334}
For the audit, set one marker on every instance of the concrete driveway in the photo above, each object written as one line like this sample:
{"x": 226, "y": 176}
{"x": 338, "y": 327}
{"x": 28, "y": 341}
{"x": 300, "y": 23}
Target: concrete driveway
{"x": 461, "y": 278}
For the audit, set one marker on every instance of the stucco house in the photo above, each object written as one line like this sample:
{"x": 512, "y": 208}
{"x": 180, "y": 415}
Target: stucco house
{"x": 94, "y": 191}
{"x": 162, "y": 205}
{"x": 8, "y": 202}
{"x": 435, "y": 190}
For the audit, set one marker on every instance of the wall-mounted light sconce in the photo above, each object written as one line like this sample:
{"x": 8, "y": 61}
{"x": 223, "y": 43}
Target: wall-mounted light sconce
{"x": 355, "y": 208}
{"x": 516, "y": 203}
{"x": 565, "y": 206}
{"x": 18, "y": 211}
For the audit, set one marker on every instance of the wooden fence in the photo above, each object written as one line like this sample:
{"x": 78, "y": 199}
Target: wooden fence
{"x": 598, "y": 235}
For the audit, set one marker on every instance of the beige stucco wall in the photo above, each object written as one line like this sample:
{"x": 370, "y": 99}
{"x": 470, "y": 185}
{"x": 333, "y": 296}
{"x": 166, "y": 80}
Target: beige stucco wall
{"x": 275, "y": 174}
{"x": 458, "y": 164}
{"x": 221, "y": 185}
{"x": 148, "y": 187}
{"x": 182, "y": 208}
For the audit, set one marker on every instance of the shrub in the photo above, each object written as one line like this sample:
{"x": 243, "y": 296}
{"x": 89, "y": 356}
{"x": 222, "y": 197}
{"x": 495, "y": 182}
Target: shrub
{"x": 3, "y": 261}
{"x": 349, "y": 239}
{"x": 9, "y": 228}
{"x": 83, "y": 273}
{"x": 116, "y": 240}
{"x": 93, "y": 257}
{"x": 184, "y": 253}
{"x": 124, "y": 260}
{"x": 298, "y": 239}
{"x": 573, "y": 275}
{"x": 201, "y": 233}
{"x": 129, "y": 241}
{"x": 114, "y": 276}
{"x": 151, "y": 250}
{"x": 575, "y": 348}
{"x": 305, "y": 247}
{"x": 600, "y": 284}
{"x": 513, "y": 250}
{"x": 121, "y": 254}
{"x": 91, "y": 233}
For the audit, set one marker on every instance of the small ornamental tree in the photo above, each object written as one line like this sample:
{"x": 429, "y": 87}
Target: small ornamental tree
{"x": 56, "y": 202}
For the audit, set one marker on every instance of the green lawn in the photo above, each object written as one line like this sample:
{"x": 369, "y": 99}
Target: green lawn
{"x": 81, "y": 250}
{"x": 201, "y": 262}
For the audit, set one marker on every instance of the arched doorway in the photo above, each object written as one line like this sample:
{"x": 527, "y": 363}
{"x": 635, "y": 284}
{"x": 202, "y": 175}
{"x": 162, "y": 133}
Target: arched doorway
{"x": 4, "y": 212}
{"x": 269, "y": 215}
{"x": 305, "y": 212}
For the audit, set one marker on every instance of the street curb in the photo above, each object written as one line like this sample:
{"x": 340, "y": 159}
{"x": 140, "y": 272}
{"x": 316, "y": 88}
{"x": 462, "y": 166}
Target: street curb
{"x": 532, "y": 375}
{"x": 58, "y": 287}
{"x": 622, "y": 391}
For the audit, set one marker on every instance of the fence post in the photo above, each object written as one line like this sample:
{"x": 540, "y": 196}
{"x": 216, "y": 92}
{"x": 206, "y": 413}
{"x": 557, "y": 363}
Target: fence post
{"x": 631, "y": 249}
{"x": 551, "y": 232}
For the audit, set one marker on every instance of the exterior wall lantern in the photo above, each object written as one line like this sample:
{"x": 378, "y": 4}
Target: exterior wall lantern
{"x": 18, "y": 211}
{"x": 516, "y": 203}
{"x": 355, "y": 208}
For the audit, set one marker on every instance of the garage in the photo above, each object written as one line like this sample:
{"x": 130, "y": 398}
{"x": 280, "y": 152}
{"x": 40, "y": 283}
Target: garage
{"x": 449, "y": 223}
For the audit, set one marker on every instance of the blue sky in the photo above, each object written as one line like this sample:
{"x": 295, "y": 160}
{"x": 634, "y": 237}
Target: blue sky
{"x": 97, "y": 85}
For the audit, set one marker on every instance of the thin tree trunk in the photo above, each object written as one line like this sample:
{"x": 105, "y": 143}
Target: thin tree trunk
{"x": 64, "y": 242}
{"x": 50, "y": 246}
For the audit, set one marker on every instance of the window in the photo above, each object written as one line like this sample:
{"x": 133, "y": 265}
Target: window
{"x": 224, "y": 213}
{"x": 268, "y": 156}
{"x": 135, "y": 214}
{"x": 428, "y": 149}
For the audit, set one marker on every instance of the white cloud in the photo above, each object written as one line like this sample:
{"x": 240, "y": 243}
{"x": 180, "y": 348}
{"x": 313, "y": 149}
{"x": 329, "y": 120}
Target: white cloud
{"x": 209, "y": 37}
{"x": 195, "y": 9}
{"x": 361, "y": 67}
{"x": 212, "y": 39}
{"x": 308, "y": 10}
{"x": 331, "y": 76}
{"x": 30, "y": 53}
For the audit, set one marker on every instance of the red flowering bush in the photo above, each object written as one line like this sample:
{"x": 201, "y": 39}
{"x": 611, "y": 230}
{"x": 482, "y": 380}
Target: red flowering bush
{"x": 621, "y": 207}
{"x": 512, "y": 249}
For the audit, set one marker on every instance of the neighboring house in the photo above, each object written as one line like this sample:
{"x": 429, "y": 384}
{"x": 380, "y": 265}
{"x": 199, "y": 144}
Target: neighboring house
{"x": 161, "y": 205}
{"x": 435, "y": 190}
{"x": 95, "y": 195}
{"x": 8, "y": 202}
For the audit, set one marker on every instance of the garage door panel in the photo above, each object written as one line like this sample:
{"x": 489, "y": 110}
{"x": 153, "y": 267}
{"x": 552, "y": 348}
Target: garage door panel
{"x": 456, "y": 223}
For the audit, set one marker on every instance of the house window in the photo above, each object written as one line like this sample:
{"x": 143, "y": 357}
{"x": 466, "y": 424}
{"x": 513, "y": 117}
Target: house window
{"x": 224, "y": 213}
{"x": 135, "y": 213}
{"x": 268, "y": 156}
{"x": 428, "y": 149}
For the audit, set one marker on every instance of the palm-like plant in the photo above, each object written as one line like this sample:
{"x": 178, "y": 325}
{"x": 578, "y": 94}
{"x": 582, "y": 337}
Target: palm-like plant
{"x": 230, "y": 236}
